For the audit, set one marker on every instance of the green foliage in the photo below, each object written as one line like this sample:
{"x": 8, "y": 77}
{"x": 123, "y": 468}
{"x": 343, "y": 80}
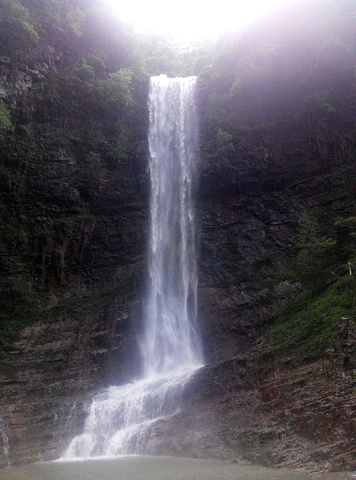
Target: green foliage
{"x": 17, "y": 33}
{"x": 346, "y": 225}
{"x": 308, "y": 325}
{"x": 62, "y": 20}
{"x": 224, "y": 142}
{"x": 97, "y": 63}
{"x": 158, "y": 55}
{"x": 5, "y": 119}
{"x": 315, "y": 254}
{"x": 289, "y": 78}
{"x": 223, "y": 150}
{"x": 346, "y": 237}
{"x": 321, "y": 269}
{"x": 318, "y": 104}
{"x": 317, "y": 260}
{"x": 75, "y": 20}
{"x": 118, "y": 88}
{"x": 48, "y": 12}
{"x": 84, "y": 72}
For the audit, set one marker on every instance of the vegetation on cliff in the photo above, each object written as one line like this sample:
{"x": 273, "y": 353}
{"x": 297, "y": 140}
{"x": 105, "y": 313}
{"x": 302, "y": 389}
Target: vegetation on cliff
{"x": 309, "y": 324}
{"x": 320, "y": 283}
{"x": 288, "y": 80}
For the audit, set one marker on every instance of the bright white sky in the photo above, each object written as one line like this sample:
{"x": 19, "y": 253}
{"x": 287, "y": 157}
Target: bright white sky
{"x": 191, "y": 19}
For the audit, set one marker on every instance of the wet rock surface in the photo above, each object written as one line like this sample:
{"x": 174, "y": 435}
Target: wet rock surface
{"x": 46, "y": 380}
{"x": 246, "y": 410}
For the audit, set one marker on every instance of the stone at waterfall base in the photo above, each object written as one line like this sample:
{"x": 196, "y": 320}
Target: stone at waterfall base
{"x": 272, "y": 416}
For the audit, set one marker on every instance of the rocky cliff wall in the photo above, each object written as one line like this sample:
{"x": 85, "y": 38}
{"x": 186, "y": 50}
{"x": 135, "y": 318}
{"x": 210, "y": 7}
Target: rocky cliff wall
{"x": 242, "y": 231}
{"x": 256, "y": 409}
{"x": 73, "y": 245}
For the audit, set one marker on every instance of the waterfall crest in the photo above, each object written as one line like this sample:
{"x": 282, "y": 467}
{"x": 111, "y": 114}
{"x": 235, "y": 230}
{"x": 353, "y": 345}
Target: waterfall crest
{"x": 121, "y": 418}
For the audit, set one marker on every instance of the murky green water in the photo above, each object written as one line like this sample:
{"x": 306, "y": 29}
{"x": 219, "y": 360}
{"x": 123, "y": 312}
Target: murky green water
{"x": 156, "y": 468}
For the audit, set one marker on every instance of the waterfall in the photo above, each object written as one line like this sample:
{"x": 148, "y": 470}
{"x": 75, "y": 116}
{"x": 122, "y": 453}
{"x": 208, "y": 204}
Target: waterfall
{"x": 171, "y": 340}
{"x": 120, "y": 418}
{"x": 4, "y": 431}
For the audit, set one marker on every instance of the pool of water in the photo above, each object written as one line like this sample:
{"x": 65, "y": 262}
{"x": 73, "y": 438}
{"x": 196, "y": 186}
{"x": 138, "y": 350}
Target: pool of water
{"x": 156, "y": 468}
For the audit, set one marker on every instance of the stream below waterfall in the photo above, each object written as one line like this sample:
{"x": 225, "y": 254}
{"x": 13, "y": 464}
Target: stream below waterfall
{"x": 157, "y": 468}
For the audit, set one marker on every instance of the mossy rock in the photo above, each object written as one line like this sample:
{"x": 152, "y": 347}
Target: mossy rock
{"x": 308, "y": 326}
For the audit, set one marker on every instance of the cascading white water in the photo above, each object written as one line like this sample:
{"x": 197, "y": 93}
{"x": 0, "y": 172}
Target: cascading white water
{"x": 120, "y": 418}
{"x": 4, "y": 439}
{"x": 171, "y": 340}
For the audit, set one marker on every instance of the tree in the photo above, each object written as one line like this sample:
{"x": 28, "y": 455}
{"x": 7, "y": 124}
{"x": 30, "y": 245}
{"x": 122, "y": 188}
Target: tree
{"x": 346, "y": 242}
{"x": 315, "y": 257}
{"x": 119, "y": 89}
{"x": 17, "y": 33}
{"x": 5, "y": 119}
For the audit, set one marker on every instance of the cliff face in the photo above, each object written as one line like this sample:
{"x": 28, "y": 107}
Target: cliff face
{"x": 248, "y": 223}
{"x": 73, "y": 244}
{"x": 253, "y": 409}
{"x": 270, "y": 154}
{"x": 72, "y": 239}
{"x": 263, "y": 406}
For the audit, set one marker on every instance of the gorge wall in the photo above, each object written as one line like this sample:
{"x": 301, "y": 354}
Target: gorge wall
{"x": 278, "y": 146}
{"x": 74, "y": 229}
{"x": 73, "y": 234}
